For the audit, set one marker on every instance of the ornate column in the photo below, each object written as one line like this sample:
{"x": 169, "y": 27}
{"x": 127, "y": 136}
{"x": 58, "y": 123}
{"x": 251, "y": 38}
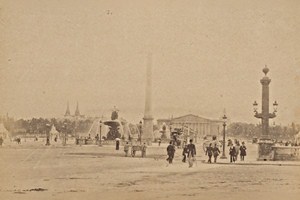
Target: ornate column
{"x": 265, "y": 142}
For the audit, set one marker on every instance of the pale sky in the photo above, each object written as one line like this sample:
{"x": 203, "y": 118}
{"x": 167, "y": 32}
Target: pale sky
{"x": 207, "y": 56}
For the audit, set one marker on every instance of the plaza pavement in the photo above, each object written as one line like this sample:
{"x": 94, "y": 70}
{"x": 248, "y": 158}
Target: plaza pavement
{"x": 34, "y": 171}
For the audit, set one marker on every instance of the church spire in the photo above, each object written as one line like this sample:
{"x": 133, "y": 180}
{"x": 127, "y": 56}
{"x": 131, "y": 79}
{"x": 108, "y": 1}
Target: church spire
{"x": 68, "y": 110}
{"x": 77, "y": 113}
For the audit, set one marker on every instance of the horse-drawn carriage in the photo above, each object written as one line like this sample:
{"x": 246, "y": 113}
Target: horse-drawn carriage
{"x": 135, "y": 148}
{"x": 176, "y": 138}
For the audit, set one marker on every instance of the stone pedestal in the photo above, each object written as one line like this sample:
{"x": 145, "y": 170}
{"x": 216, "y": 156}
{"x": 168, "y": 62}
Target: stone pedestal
{"x": 147, "y": 133}
{"x": 265, "y": 150}
{"x": 286, "y": 153}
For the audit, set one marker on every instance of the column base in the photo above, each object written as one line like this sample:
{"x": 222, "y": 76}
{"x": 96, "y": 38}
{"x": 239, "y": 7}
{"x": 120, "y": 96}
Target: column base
{"x": 265, "y": 152}
{"x": 223, "y": 157}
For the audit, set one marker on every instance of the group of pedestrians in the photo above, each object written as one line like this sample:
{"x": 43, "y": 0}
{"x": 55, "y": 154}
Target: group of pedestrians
{"x": 237, "y": 150}
{"x": 189, "y": 152}
{"x": 234, "y": 151}
{"x": 212, "y": 151}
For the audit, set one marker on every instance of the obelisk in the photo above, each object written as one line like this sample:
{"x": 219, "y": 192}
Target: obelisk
{"x": 147, "y": 135}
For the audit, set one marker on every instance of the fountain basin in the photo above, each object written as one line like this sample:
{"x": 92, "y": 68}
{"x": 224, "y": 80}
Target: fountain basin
{"x": 112, "y": 123}
{"x": 287, "y": 153}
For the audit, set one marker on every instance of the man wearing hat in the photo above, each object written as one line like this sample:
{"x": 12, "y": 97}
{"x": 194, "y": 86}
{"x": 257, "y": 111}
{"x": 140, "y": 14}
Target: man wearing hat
{"x": 243, "y": 151}
{"x": 191, "y": 149}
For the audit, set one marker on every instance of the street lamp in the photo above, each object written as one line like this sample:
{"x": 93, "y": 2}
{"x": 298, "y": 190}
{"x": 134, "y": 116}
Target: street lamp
{"x": 265, "y": 142}
{"x": 224, "y": 127}
{"x": 263, "y": 114}
{"x": 140, "y": 127}
{"x": 170, "y": 127}
{"x": 100, "y": 127}
{"x": 275, "y": 105}
{"x": 65, "y": 134}
{"x": 255, "y": 105}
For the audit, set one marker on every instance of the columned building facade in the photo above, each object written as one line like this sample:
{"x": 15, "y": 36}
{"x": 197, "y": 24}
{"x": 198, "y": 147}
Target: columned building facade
{"x": 198, "y": 125}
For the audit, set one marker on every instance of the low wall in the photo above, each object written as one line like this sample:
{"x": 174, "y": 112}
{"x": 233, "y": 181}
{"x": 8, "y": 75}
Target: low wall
{"x": 286, "y": 153}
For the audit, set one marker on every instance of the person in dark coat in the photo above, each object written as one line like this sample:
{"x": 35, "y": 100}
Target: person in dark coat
{"x": 171, "y": 152}
{"x": 191, "y": 152}
{"x": 47, "y": 141}
{"x": 97, "y": 139}
{"x": 184, "y": 153}
{"x": 243, "y": 151}
{"x": 216, "y": 152}
{"x": 143, "y": 149}
{"x": 209, "y": 152}
{"x": 117, "y": 144}
{"x": 232, "y": 153}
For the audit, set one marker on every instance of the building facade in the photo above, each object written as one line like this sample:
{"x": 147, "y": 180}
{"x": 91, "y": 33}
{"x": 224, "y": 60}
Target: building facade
{"x": 200, "y": 126}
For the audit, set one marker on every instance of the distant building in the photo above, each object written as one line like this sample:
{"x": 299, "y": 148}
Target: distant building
{"x": 198, "y": 125}
{"x": 76, "y": 114}
{"x": 68, "y": 113}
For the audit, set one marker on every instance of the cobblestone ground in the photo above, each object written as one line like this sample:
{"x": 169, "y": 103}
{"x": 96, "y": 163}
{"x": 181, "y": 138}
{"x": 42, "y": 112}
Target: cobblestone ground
{"x": 33, "y": 171}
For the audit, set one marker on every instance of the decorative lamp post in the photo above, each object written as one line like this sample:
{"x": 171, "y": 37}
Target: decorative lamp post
{"x": 140, "y": 127}
{"x": 275, "y": 106}
{"x": 224, "y": 129}
{"x": 100, "y": 127}
{"x": 170, "y": 127}
{"x": 65, "y": 134}
{"x": 265, "y": 142}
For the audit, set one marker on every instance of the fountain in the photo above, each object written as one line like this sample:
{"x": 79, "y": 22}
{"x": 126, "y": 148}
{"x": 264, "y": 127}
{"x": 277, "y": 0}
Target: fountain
{"x": 114, "y": 128}
{"x": 113, "y": 125}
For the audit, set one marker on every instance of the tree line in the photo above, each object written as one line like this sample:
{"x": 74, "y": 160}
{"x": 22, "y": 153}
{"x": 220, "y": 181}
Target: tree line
{"x": 39, "y": 126}
{"x": 249, "y": 131}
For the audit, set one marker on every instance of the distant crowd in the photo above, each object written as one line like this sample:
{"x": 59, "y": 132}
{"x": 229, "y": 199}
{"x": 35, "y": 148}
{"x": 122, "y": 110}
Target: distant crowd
{"x": 287, "y": 143}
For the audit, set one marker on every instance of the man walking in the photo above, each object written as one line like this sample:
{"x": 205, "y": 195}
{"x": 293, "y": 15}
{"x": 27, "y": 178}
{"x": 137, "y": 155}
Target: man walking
{"x": 184, "y": 152}
{"x": 126, "y": 149}
{"x": 171, "y": 152}
{"x": 143, "y": 149}
{"x": 232, "y": 153}
{"x": 191, "y": 152}
{"x": 243, "y": 151}
{"x": 216, "y": 152}
{"x": 209, "y": 152}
